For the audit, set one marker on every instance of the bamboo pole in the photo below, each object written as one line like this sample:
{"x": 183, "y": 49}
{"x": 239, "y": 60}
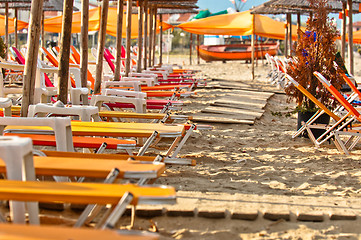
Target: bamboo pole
{"x": 286, "y": 39}
{"x": 150, "y": 37}
{"x": 31, "y": 56}
{"x": 84, "y": 45}
{"x": 145, "y": 48}
{"x": 343, "y": 37}
{"x": 198, "y": 44}
{"x": 118, "y": 57}
{"x": 6, "y": 30}
{"x": 101, "y": 44}
{"x": 129, "y": 37}
{"x": 63, "y": 76}
{"x": 154, "y": 35}
{"x": 190, "y": 48}
{"x": 16, "y": 27}
{"x": 161, "y": 40}
{"x": 350, "y": 37}
{"x": 140, "y": 37}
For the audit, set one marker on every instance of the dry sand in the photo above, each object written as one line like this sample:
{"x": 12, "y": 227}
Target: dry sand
{"x": 258, "y": 169}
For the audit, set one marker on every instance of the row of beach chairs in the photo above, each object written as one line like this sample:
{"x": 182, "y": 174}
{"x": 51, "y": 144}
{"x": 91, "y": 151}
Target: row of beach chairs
{"x": 122, "y": 159}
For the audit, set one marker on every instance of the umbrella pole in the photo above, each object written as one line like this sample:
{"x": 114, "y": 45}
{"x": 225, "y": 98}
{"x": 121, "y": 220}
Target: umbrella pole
{"x": 344, "y": 23}
{"x": 198, "y": 58}
{"x": 31, "y": 56}
{"x": 161, "y": 40}
{"x": 145, "y": 5}
{"x": 16, "y": 27}
{"x": 154, "y": 34}
{"x": 129, "y": 37}
{"x": 289, "y": 16}
{"x": 118, "y": 40}
{"x": 150, "y": 37}
{"x": 84, "y": 46}
{"x": 190, "y": 48}
{"x": 6, "y": 30}
{"x": 252, "y": 44}
{"x": 63, "y": 76}
{"x": 101, "y": 43}
{"x": 140, "y": 37}
{"x": 350, "y": 36}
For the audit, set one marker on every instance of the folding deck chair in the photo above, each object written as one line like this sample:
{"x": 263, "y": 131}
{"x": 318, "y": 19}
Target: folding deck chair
{"x": 343, "y": 128}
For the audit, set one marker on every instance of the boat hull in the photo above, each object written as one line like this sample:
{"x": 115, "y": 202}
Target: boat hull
{"x": 235, "y": 52}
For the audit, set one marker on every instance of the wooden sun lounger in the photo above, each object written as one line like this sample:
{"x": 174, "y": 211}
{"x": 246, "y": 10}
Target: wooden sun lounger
{"x": 93, "y": 167}
{"x": 31, "y": 232}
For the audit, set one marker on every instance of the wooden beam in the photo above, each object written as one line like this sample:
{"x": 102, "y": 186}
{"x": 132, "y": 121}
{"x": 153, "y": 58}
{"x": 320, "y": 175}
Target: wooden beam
{"x": 190, "y": 48}
{"x": 6, "y": 30}
{"x": 118, "y": 57}
{"x": 31, "y": 56}
{"x": 150, "y": 37}
{"x": 101, "y": 44}
{"x": 161, "y": 40}
{"x": 154, "y": 34}
{"x": 140, "y": 37}
{"x": 84, "y": 45}
{"x": 16, "y": 26}
{"x": 145, "y": 34}
{"x": 350, "y": 37}
{"x": 63, "y": 76}
{"x": 129, "y": 37}
{"x": 343, "y": 30}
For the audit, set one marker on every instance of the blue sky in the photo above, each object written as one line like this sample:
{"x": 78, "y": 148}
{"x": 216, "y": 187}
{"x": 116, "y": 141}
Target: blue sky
{"x": 219, "y": 5}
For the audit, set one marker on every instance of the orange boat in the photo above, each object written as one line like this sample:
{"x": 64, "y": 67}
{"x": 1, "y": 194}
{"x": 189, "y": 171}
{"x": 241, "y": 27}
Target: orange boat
{"x": 236, "y": 51}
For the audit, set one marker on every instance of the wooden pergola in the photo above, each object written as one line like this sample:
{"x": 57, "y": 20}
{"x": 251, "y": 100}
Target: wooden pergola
{"x": 334, "y": 6}
{"x": 147, "y": 9}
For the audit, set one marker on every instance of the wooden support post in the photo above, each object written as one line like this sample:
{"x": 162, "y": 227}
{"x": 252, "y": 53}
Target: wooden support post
{"x": 252, "y": 44}
{"x": 146, "y": 26}
{"x": 6, "y": 30}
{"x": 298, "y": 25}
{"x": 150, "y": 37}
{"x": 16, "y": 26}
{"x": 63, "y": 76}
{"x": 290, "y": 32}
{"x": 101, "y": 44}
{"x": 286, "y": 39}
{"x": 154, "y": 35}
{"x": 198, "y": 44}
{"x": 31, "y": 56}
{"x": 343, "y": 30}
{"x": 42, "y": 38}
{"x": 350, "y": 37}
{"x": 161, "y": 40}
{"x": 190, "y": 48}
{"x": 140, "y": 36}
{"x": 118, "y": 57}
{"x": 129, "y": 37}
{"x": 84, "y": 45}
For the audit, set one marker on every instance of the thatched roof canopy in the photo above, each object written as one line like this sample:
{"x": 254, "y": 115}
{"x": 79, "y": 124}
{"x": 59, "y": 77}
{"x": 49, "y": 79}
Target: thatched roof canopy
{"x": 49, "y": 5}
{"x": 265, "y": 8}
{"x": 304, "y": 5}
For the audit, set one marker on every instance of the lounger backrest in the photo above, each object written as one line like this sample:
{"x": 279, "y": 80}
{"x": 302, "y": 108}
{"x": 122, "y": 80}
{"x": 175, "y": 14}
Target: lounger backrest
{"x": 312, "y": 98}
{"x": 348, "y": 80}
{"x": 18, "y": 56}
{"x": 337, "y": 95}
{"x": 74, "y": 52}
{"x": 109, "y": 61}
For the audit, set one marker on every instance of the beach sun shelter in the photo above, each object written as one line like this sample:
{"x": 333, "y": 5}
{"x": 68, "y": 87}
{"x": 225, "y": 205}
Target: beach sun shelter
{"x": 243, "y": 23}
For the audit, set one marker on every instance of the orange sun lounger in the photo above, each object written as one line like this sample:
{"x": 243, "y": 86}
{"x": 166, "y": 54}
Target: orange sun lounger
{"x": 31, "y": 232}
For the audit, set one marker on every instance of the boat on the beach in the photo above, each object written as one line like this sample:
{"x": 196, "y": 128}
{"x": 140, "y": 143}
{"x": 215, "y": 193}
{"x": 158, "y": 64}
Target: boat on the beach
{"x": 236, "y": 51}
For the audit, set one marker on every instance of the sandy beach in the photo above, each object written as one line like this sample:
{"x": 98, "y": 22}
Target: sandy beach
{"x": 252, "y": 181}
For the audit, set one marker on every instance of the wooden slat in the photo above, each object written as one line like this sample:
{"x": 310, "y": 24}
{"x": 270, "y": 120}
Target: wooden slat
{"x": 216, "y": 118}
{"x": 238, "y": 113}
{"x": 237, "y": 106}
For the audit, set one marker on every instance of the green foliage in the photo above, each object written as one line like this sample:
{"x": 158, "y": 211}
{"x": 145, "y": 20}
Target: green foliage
{"x": 315, "y": 51}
